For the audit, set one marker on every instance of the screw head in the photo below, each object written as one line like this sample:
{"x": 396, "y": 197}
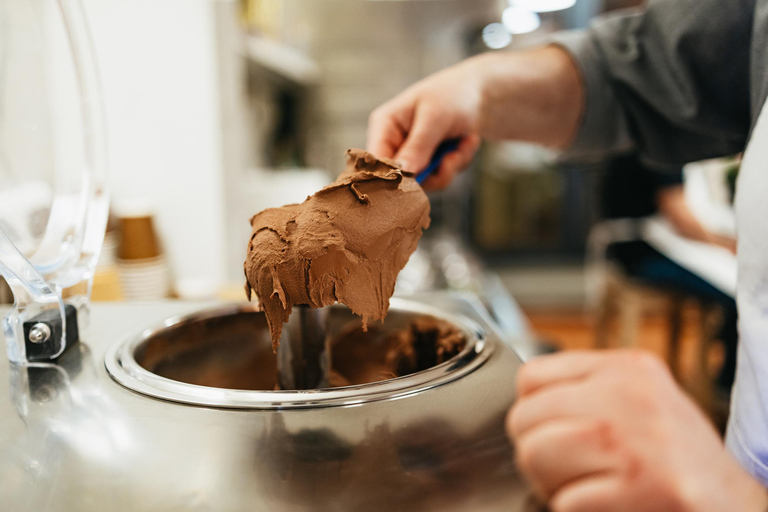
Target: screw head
{"x": 39, "y": 333}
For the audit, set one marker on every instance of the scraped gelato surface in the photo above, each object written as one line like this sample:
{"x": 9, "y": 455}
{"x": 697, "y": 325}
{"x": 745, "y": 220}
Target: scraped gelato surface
{"x": 346, "y": 243}
{"x": 358, "y": 357}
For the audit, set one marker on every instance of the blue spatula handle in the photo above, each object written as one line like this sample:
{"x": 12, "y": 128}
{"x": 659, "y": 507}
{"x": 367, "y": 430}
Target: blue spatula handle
{"x": 445, "y": 147}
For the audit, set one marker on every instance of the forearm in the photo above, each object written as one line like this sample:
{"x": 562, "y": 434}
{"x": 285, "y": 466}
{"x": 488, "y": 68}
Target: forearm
{"x": 535, "y": 96}
{"x": 673, "y": 207}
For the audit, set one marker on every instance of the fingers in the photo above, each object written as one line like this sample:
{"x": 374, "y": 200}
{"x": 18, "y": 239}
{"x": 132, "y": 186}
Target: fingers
{"x": 563, "y": 451}
{"x": 425, "y": 133}
{"x": 453, "y": 163}
{"x": 577, "y": 365}
{"x": 566, "y": 366}
{"x": 559, "y": 402}
{"x": 388, "y": 126}
{"x": 410, "y": 132}
{"x": 594, "y": 431}
{"x": 596, "y": 493}
{"x": 567, "y": 384}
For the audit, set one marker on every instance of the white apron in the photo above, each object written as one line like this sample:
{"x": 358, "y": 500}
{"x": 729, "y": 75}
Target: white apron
{"x": 747, "y": 436}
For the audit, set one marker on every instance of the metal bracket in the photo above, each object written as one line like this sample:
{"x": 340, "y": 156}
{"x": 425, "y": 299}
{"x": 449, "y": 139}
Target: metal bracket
{"x": 43, "y": 333}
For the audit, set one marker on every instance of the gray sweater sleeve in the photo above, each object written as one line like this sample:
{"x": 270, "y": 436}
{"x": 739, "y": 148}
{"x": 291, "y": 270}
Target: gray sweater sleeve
{"x": 671, "y": 82}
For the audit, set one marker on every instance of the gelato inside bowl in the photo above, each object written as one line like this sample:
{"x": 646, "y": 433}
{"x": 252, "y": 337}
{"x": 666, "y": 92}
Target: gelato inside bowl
{"x": 224, "y": 357}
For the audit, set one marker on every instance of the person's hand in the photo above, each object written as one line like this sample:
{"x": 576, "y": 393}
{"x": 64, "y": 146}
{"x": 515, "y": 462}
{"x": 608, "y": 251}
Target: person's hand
{"x": 674, "y": 208}
{"x": 611, "y": 431}
{"x": 535, "y": 95}
{"x": 409, "y": 127}
{"x": 726, "y": 242}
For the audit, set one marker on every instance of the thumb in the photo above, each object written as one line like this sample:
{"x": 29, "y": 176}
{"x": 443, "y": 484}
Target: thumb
{"x": 426, "y": 133}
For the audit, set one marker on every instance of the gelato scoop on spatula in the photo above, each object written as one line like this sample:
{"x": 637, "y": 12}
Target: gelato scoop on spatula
{"x": 346, "y": 243}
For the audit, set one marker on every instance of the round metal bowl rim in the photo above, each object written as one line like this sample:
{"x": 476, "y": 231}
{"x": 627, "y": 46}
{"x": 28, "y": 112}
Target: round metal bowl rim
{"x": 124, "y": 369}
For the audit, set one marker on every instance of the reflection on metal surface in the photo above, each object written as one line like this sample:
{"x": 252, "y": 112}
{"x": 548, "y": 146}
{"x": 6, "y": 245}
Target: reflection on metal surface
{"x": 71, "y": 439}
{"x": 427, "y": 465}
{"x": 302, "y": 356}
{"x": 229, "y": 352}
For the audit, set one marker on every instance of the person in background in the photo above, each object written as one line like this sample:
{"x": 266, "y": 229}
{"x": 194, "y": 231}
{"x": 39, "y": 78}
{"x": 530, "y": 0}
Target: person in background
{"x": 631, "y": 190}
{"x": 678, "y": 82}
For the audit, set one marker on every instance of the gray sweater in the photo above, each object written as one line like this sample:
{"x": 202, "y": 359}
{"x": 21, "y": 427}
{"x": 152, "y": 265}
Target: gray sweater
{"x": 680, "y": 81}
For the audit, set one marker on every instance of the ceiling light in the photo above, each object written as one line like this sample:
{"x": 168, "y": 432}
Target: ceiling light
{"x": 496, "y": 36}
{"x": 543, "y": 5}
{"x": 520, "y": 21}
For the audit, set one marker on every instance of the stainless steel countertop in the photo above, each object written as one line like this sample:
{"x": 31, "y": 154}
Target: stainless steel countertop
{"x": 72, "y": 439}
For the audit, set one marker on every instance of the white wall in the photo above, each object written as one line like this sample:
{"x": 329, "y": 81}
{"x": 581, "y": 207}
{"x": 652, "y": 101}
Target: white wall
{"x": 366, "y": 51}
{"x": 159, "y": 73}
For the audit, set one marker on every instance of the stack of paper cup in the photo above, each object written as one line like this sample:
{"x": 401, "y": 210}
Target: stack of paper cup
{"x": 106, "y": 278}
{"x": 108, "y": 254}
{"x": 142, "y": 266}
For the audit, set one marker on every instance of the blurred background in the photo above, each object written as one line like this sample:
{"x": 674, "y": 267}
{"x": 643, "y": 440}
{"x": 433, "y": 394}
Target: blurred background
{"x": 216, "y": 110}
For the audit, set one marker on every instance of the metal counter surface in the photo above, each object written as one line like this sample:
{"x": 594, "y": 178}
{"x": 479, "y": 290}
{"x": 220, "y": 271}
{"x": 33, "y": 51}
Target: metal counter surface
{"x": 72, "y": 439}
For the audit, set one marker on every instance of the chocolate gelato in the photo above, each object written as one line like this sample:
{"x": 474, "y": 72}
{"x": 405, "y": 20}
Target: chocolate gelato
{"x": 346, "y": 243}
{"x": 361, "y": 358}
{"x": 233, "y": 352}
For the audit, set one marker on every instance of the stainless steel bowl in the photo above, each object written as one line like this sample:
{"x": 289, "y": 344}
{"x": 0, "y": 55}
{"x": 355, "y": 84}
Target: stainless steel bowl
{"x": 224, "y": 358}
{"x": 72, "y": 439}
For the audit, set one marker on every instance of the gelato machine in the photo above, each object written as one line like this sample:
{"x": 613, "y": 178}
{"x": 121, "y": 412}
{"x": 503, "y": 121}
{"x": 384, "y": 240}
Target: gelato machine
{"x": 171, "y": 406}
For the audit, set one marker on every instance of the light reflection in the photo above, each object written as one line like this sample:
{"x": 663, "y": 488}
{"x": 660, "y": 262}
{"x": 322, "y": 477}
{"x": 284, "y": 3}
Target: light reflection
{"x": 543, "y": 5}
{"x": 496, "y": 36}
{"x": 520, "y": 21}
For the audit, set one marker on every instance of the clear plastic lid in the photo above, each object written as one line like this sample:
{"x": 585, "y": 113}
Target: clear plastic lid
{"x": 53, "y": 193}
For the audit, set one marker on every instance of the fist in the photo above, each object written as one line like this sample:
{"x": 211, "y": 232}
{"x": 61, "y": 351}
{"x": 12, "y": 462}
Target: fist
{"x": 611, "y": 431}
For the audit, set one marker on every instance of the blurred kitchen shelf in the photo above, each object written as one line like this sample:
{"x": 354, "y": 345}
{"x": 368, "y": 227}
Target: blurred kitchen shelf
{"x": 545, "y": 285}
{"x": 566, "y": 328}
{"x": 282, "y": 59}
